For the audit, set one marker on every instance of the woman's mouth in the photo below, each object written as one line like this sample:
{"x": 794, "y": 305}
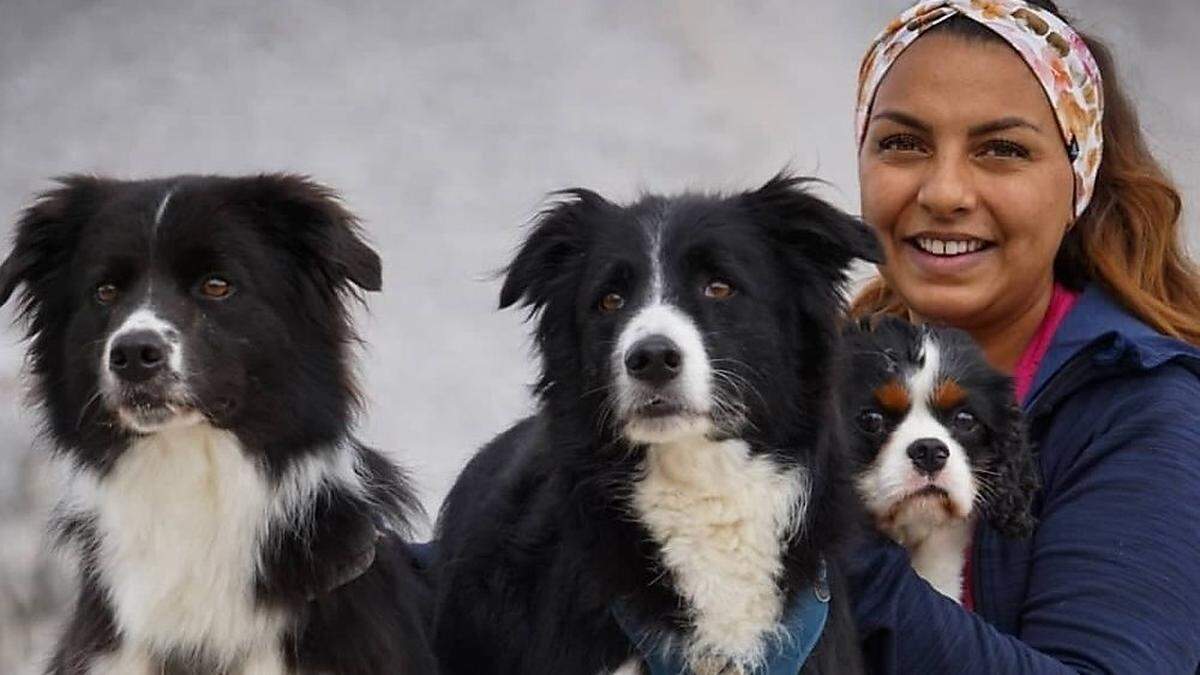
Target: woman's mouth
{"x": 941, "y": 256}
{"x": 948, "y": 248}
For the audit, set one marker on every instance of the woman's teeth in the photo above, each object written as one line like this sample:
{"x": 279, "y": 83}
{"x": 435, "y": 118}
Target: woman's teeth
{"x": 948, "y": 248}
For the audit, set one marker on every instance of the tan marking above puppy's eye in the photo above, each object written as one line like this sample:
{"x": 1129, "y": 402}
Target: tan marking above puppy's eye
{"x": 216, "y": 288}
{"x": 106, "y": 294}
{"x": 718, "y": 290}
{"x": 948, "y": 394}
{"x": 893, "y": 397}
{"x": 611, "y": 302}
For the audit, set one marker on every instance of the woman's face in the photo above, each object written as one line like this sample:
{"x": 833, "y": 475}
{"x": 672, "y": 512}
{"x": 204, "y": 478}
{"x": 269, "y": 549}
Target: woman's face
{"x": 965, "y": 177}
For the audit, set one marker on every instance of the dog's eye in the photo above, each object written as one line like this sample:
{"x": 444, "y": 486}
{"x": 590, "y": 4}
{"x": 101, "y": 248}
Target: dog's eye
{"x": 612, "y": 302}
{"x": 216, "y": 288}
{"x": 870, "y": 421}
{"x": 965, "y": 422}
{"x": 718, "y": 290}
{"x": 106, "y": 294}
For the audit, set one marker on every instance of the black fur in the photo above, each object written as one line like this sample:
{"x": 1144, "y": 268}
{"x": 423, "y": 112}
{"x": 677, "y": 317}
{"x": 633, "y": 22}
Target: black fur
{"x": 537, "y": 537}
{"x": 271, "y": 364}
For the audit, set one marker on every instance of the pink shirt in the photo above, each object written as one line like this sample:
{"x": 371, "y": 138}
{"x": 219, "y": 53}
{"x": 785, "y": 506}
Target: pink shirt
{"x": 1061, "y": 302}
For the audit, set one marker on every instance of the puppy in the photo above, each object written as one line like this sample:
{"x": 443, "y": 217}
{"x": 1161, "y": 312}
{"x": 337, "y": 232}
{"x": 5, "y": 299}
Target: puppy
{"x": 939, "y": 440}
{"x": 189, "y": 347}
{"x": 674, "y": 501}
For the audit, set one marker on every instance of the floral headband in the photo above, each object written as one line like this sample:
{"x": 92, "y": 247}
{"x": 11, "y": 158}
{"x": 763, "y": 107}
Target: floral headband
{"x": 1054, "y": 52}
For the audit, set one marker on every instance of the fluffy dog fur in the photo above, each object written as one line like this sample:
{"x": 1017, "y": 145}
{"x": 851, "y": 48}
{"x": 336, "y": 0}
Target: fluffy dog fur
{"x": 686, "y": 457}
{"x": 939, "y": 439}
{"x": 189, "y": 346}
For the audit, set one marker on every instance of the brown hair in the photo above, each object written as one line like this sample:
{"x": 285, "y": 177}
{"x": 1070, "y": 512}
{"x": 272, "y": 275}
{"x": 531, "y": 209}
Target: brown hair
{"x": 1128, "y": 238}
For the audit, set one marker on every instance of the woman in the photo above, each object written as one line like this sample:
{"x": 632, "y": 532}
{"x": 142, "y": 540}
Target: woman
{"x": 1006, "y": 175}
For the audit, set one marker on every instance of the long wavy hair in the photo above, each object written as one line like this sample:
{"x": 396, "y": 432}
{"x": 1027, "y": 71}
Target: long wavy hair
{"x": 1128, "y": 239}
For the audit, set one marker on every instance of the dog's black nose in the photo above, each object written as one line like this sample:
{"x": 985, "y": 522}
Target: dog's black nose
{"x": 928, "y": 455}
{"x": 654, "y": 360}
{"x": 138, "y": 356}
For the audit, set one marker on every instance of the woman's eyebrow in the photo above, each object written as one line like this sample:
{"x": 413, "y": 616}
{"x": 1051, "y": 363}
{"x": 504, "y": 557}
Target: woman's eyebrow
{"x": 901, "y": 118}
{"x": 1002, "y": 124}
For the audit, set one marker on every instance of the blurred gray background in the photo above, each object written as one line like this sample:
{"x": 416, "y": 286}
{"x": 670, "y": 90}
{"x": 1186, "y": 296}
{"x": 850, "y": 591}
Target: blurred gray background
{"x": 443, "y": 124}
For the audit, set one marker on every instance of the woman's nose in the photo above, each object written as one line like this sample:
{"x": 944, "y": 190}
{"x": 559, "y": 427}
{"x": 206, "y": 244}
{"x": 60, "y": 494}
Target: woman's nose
{"x": 948, "y": 189}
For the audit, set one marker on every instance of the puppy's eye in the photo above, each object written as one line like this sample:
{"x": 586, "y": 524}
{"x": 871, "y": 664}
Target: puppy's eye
{"x": 870, "y": 421}
{"x": 611, "y": 303}
{"x": 718, "y": 290}
{"x": 965, "y": 422}
{"x": 216, "y": 288}
{"x": 106, "y": 294}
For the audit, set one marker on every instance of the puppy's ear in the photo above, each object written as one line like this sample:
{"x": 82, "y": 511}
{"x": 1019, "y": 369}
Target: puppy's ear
{"x": 1013, "y": 476}
{"x": 556, "y": 241}
{"x": 41, "y": 246}
{"x": 825, "y": 235}
{"x": 310, "y": 219}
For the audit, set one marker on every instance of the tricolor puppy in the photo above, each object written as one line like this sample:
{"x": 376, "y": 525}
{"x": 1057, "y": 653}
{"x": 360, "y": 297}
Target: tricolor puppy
{"x": 674, "y": 500}
{"x": 189, "y": 347}
{"x": 939, "y": 440}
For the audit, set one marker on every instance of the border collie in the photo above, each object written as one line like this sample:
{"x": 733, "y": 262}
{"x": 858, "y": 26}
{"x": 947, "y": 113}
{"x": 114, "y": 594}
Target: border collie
{"x": 684, "y": 480}
{"x": 189, "y": 346}
{"x": 939, "y": 439}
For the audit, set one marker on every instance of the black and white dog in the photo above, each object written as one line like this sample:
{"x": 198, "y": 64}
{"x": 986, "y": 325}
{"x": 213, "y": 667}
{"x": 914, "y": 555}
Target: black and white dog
{"x": 683, "y": 481}
{"x": 939, "y": 439}
{"x": 190, "y": 350}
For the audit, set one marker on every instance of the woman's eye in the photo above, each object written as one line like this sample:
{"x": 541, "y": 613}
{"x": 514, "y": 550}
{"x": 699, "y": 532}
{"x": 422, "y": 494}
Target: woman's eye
{"x": 611, "y": 303}
{"x": 870, "y": 421}
{"x": 901, "y": 143}
{"x": 106, "y": 294}
{"x": 965, "y": 422}
{"x": 718, "y": 290}
{"x": 216, "y": 288}
{"x": 1004, "y": 149}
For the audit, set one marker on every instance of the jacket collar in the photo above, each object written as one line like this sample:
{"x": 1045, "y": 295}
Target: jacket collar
{"x": 1113, "y": 338}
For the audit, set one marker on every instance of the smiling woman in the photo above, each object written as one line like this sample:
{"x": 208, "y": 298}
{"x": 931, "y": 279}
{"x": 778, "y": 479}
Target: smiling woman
{"x": 965, "y": 175}
{"x": 1006, "y": 176}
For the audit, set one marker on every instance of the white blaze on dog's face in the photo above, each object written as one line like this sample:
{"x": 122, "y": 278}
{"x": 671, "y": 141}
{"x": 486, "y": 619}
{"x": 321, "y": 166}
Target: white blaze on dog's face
{"x": 921, "y": 476}
{"x": 661, "y": 370}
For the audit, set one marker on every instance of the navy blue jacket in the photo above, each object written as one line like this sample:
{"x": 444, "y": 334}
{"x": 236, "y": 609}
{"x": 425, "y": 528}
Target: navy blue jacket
{"x": 1110, "y": 581}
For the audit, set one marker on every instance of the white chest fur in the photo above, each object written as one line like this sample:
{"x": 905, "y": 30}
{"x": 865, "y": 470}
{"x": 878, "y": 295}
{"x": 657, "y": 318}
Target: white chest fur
{"x": 939, "y": 555}
{"x": 722, "y": 518}
{"x": 180, "y": 519}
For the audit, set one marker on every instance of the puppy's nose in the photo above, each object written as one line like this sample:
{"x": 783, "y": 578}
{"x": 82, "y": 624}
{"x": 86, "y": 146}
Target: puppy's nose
{"x": 928, "y": 455}
{"x": 654, "y": 360}
{"x": 138, "y": 356}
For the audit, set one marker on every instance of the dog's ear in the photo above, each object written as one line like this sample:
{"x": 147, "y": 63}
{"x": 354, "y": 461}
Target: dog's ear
{"x": 825, "y": 235}
{"x": 45, "y": 230}
{"x": 1014, "y": 479}
{"x": 558, "y": 238}
{"x": 310, "y": 219}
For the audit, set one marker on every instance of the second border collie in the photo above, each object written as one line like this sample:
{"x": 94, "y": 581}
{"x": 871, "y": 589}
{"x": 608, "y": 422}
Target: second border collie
{"x": 189, "y": 344}
{"x": 681, "y": 487}
{"x": 939, "y": 440}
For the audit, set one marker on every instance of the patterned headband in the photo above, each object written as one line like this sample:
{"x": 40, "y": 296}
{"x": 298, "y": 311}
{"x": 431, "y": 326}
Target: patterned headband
{"x": 1053, "y": 50}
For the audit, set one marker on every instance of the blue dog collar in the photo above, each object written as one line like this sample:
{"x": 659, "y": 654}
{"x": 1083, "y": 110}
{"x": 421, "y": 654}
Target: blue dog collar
{"x": 803, "y": 623}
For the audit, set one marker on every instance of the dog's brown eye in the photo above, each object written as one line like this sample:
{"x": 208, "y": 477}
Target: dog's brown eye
{"x": 612, "y": 302}
{"x": 106, "y": 294}
{"x": 718, "y": 290}
{"x": 870, "y": 421}
{"x": 216, "y": 288}
{"x": 965, "y": 422}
